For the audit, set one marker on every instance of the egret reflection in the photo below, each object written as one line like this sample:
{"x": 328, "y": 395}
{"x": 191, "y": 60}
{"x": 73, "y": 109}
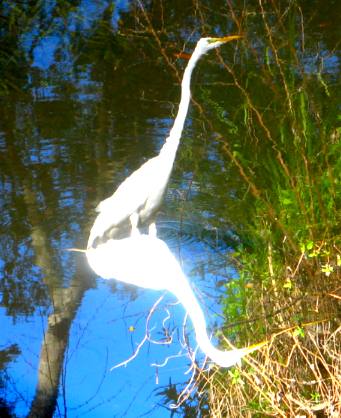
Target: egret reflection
{"x": 146, "y": 261}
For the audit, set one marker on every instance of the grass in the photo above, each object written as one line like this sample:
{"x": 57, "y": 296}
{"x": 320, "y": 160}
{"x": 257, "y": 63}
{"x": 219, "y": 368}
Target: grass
{"x": 281, "y": 143}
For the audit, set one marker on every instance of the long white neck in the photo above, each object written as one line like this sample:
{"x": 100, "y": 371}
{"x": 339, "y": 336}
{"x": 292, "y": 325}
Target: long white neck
{"x": 176, "y": 131}
{"x": 186, "y": 296}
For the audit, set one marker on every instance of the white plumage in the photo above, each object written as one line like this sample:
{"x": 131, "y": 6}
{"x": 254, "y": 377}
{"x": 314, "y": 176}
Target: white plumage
{"x": 146, "y": 261}
{"x": 137, "y": 199}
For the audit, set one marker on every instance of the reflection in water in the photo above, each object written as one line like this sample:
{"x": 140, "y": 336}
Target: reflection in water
{"x": 146, "y": 261}
{"x": 89, "y": 92}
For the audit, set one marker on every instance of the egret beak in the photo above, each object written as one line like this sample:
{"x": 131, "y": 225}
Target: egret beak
{"x": 225, "y": 39}
{"x": 78, "y": 250}
{"x": 253, "y": 347}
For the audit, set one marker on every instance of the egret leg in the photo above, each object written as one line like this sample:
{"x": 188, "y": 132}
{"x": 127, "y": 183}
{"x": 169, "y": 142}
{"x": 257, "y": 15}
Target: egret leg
{"x": 152, "y": 230}
{"x": 134, "y": 220}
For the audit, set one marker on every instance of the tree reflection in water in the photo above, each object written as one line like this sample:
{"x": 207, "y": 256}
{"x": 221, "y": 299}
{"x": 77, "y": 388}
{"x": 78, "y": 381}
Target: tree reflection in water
{"x": 87, "y": 90}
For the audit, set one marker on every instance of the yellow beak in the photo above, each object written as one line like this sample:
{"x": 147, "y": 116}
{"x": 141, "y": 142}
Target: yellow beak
{"x": 226, "y": 38}
{"x": 254, "y": 347}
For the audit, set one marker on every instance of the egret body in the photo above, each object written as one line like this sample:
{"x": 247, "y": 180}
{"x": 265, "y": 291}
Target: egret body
{"x": 139, "y": 196}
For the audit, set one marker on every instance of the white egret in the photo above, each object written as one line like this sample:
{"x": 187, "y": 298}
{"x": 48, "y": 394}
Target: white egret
{"x": 146, "y": 261}
{"x": 137, "y": 199}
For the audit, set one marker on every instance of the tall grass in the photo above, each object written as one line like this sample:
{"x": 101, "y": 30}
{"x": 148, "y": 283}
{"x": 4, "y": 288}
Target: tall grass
{"x": 282, "y": 141}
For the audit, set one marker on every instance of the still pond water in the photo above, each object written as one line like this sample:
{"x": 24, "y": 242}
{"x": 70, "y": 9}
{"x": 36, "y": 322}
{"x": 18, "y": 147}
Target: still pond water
{"x": 87, "y": 98}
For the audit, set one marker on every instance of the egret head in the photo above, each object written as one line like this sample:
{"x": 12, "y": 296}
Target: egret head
{"x": 206, "y": 44}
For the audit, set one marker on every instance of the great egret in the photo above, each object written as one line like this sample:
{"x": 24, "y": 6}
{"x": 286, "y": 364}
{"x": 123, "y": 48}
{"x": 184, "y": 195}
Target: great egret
{"x": 137, "y": 199}
{"x": 146, "y": 261}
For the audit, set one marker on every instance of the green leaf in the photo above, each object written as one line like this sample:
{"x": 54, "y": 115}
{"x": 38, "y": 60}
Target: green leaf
{"x": 299, "y": 332}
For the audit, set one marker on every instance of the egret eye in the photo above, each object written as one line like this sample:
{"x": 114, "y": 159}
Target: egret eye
{"x": 212, "y": 40}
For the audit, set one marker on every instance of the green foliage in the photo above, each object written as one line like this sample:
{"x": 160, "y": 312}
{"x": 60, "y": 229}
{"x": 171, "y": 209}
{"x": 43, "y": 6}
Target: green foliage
{"x": 315, "y": 397}
{"x": 281, "y": 151}
{"x": 235, "y": 376}
{"x": 299, "y": 332}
